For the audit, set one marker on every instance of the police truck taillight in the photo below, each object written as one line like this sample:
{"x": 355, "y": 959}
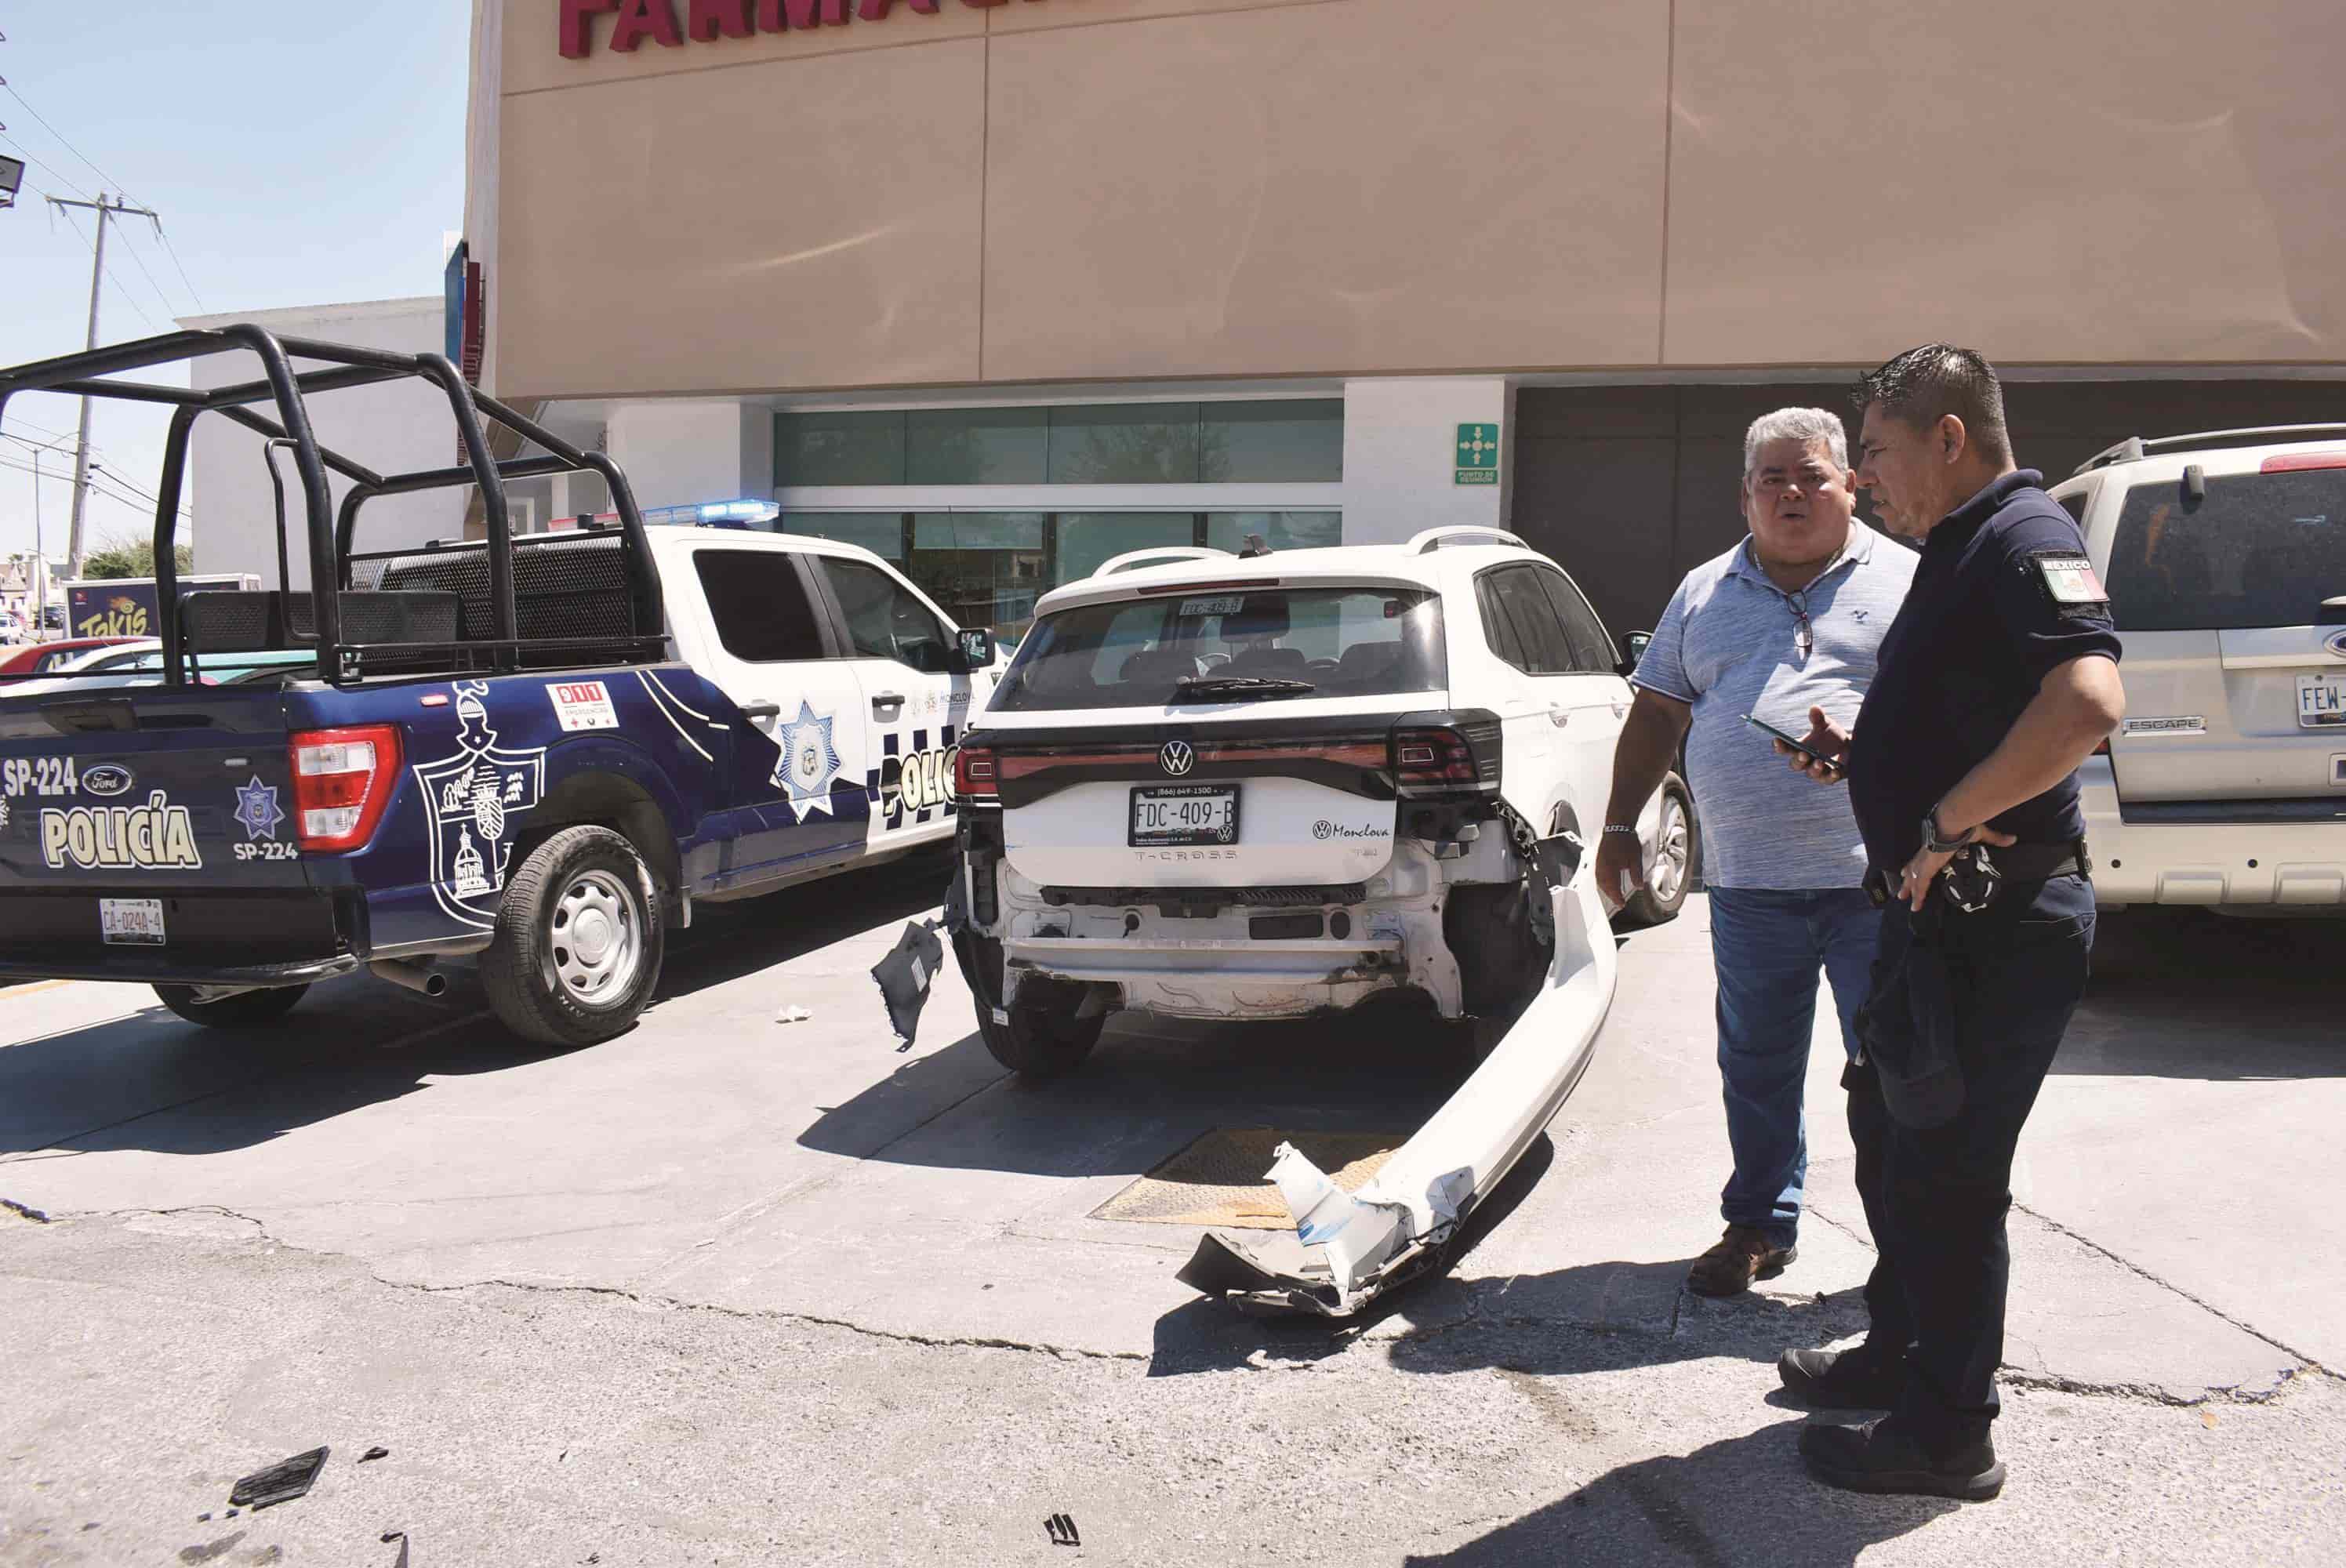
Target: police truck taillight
{"x": 1459, "y": 757}
{"x": 976, "y": 775}
{"x": 342, "y": 780}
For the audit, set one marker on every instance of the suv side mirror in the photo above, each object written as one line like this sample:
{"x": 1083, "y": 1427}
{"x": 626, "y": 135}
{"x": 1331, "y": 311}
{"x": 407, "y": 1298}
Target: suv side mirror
{"x": 972, "y": 649}
{"x": 1638, "y": 642}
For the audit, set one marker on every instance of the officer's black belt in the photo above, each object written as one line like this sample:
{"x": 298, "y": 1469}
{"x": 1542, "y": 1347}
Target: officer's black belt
{"x": 2038, "y": 862}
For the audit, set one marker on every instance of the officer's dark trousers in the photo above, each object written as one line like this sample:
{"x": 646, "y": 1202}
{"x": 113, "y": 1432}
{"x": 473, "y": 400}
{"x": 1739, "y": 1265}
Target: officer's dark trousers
{"x": 1936, "y": 1199}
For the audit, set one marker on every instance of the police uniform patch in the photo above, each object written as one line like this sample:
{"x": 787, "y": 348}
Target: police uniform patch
{"x": 2070, "y": 580}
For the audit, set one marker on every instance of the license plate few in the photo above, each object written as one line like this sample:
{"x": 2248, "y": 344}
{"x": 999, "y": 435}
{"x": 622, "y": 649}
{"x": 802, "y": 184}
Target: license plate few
{"x": 2321, "y": 701}
{"x": 1173, "y": 814}
{"x": 136, "y": 920}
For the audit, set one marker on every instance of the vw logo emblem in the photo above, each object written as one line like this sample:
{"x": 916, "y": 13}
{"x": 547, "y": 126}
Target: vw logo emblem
{"x": 1178, "y": 758}
{"x": 2338, "y": 644}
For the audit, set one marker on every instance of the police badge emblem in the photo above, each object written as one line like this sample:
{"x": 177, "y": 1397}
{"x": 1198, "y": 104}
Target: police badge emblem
{"x": 471, "y": 798}
{"x": 809, "y": 761}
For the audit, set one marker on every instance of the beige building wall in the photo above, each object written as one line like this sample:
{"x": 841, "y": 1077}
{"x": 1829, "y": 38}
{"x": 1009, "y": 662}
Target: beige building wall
{"x": 1071, "y": 190}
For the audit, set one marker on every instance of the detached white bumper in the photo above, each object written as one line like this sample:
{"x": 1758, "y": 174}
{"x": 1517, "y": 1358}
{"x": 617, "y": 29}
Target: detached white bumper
{"x": 1347, "y": 1251}
{"x": 2294, "y": 866}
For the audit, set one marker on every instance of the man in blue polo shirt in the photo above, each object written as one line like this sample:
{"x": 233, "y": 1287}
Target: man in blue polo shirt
{"x": 1783, "y": 628}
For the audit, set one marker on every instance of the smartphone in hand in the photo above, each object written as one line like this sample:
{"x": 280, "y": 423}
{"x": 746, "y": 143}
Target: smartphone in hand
{"x": 1803, "y": 746}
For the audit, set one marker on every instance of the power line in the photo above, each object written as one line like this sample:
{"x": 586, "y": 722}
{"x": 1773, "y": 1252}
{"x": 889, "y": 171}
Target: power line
{"x": 104, "y": 178}
{"x": 112, "y": 277}
{"x": 99, "y": 488}
{"x": 173, "y": 251}
{"x": 43, "y": 163}
{"x": 168, "y": 309}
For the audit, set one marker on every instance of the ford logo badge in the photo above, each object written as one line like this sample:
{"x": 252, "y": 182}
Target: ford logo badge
{"x": 1176, "y": 758}
{"x": 106, "y": 778}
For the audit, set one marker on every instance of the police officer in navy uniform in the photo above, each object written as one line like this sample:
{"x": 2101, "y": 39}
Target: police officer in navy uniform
{"x": 1998, "y": 677}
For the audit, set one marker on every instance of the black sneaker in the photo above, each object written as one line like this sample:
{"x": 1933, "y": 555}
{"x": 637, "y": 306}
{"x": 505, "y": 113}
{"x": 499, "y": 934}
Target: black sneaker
{"x": 1881, "y": 1457}
{"x": 1853, "y": 1379}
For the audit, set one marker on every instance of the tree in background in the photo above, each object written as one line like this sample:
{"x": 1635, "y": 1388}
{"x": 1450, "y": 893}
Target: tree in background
{"x": 120, "y": 557}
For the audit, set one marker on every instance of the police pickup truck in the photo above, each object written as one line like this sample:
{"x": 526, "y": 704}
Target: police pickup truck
{"x": 542, "y": 750}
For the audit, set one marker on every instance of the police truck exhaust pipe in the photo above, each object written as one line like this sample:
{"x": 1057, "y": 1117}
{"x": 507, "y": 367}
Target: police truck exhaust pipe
{"x": 418, "y": 977}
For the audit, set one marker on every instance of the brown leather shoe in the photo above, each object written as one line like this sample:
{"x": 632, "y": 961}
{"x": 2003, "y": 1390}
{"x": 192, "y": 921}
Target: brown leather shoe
{"x": 1742, "y": 1255}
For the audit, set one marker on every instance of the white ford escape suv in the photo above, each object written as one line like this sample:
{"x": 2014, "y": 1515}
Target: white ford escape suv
{"x": 1277, "y": 785}
{"x": 2224, "y": 555}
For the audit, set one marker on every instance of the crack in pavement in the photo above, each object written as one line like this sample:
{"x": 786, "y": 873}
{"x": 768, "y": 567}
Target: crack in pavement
{"x": 2305, "y": 1362}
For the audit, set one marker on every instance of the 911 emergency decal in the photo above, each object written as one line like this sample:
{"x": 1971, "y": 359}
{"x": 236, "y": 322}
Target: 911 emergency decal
{"x": 155, "y": 837}
{"x": 470, "y": 800}
{"x": 809, "y": 761}
{"x": 917, "y": 783}
{"x": 583, "y": 705}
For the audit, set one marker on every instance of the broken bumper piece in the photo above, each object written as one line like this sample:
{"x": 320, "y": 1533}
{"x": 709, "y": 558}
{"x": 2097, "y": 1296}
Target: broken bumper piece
{"x": 1346, "y": 1251}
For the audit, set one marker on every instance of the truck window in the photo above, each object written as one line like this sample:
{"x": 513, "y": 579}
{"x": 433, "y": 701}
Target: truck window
{"x": 2262, "y": 550}
{"x": 760, "y": 605}
{"x": 884, "y": 619}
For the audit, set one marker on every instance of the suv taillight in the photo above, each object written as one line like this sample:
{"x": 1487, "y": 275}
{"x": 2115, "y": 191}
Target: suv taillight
{"x": 1458, "y": 757}
{"x": 342, "y": 780}
{"x": 976, "y": 775}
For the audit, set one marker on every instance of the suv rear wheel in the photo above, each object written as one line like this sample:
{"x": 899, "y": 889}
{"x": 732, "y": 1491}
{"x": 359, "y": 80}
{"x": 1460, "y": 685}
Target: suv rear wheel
{"x": 1678, "y": 841}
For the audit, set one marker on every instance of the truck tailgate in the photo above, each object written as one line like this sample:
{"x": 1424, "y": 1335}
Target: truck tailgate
{"x": 151, "y": 830}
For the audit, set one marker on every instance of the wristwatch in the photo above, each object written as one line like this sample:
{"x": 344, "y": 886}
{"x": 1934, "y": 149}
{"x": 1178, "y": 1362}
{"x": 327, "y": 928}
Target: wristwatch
{"x": 1935, "y": 844}
{"x": 1619, "y": 828}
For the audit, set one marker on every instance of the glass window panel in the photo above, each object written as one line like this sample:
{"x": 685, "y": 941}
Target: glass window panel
{"x": 986, "y": 568}
{"x": 1125, "y": 443}
{"x": 838, "y": 449}
{"x": 1088, "y": 538}
{"x": 1592, "y": 644}
{"x": 761, "y": 607}
{"x": 1281, "y": 442}
{"x": 884, "y": 620}
{"x": 1279, "y": 530}
{"x": 881, "y": 533}
{"x": 977, "y": 445}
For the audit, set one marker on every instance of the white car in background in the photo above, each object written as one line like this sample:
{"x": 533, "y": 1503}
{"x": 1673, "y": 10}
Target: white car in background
{"x": 2224, "y": 555}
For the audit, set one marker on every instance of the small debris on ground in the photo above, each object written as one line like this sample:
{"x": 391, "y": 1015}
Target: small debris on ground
{"x": 23, "y": 1211}
{"x": 793, "y": 1014}
{"x": 905, "y": 975}
{"x": 400, "y": 1536}
{"x": 1061, "y": 1529}
{"x": 281, "y": 1483}
{"x": 375, "y": 1453}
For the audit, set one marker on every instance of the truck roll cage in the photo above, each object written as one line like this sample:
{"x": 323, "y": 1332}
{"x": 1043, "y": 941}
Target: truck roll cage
{"x": 349, "y": 630}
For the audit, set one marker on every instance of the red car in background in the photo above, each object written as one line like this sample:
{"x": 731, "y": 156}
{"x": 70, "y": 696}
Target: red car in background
{"x": 36, "y": 658}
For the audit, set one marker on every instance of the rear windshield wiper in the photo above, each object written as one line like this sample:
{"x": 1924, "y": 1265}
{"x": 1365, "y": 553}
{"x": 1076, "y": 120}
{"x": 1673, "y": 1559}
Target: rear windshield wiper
{"x": 1213, "y": 686}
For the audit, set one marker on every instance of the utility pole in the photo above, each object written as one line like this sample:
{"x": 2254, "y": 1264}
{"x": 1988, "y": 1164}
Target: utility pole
{"x": 105, "y": 208}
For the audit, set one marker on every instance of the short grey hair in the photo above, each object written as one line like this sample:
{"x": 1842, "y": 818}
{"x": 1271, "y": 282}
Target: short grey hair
{"x": 1807, "y": 425}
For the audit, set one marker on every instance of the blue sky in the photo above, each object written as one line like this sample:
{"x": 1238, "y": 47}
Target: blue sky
{"x": 299, "y": 155}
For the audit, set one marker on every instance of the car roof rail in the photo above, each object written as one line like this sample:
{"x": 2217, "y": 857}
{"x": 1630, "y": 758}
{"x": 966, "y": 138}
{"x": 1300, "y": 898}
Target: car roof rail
{"x": 1131, "y": 559}
{"x": 1458, "y": 534}
{"x": 2133, "y": 448}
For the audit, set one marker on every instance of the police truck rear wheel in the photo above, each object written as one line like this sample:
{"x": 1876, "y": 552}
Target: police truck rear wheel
{"x": 578, "y": 941}
{"x": 243, "y": 1009}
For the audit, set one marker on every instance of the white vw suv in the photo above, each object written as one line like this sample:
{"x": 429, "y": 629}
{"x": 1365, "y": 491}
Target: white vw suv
{"x": 2224, "y": 556}
{"x": 1272, "y": 785}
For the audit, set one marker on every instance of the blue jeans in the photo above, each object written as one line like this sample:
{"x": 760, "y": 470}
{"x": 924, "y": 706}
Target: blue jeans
{"x": 1768, "y": 946}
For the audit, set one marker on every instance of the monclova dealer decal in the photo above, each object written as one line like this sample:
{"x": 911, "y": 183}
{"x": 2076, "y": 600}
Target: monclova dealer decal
{"x": 155, "y": 837}
{"x": 707, "y": 21}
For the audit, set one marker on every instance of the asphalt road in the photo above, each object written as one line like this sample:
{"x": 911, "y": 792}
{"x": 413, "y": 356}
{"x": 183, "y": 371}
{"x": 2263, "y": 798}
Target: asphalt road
{"x": 732, "y": 1290}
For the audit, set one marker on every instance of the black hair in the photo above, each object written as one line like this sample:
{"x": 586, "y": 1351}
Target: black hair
{"x": 1923, "y": 385}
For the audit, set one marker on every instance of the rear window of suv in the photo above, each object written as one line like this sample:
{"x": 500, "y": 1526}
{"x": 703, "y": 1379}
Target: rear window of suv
{"x": 2261, "y": 550}
{"x": 1137, "y": 653}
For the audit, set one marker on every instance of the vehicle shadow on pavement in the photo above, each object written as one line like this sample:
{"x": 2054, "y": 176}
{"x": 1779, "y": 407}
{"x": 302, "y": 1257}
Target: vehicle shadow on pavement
{"x": 1740, "y": 1499}
{"x": 154, "y": 1082}
{"x": 1150, "y": 1088}
{"x": 2189, "y": 994}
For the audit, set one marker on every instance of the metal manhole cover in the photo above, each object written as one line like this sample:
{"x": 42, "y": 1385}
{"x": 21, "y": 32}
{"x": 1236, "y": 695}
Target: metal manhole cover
{"x": 1219, "y": 1180}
